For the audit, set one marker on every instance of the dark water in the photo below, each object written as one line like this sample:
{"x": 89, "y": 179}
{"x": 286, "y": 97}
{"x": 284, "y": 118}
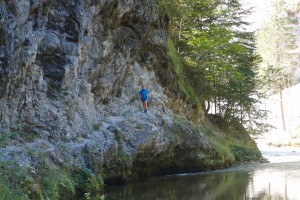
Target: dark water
{"x": 268, "y": 181}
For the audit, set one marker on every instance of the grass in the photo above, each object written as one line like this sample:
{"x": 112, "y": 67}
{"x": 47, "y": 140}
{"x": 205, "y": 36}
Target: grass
{"x": 24, "y": 182}
{"x": 177, "y": 66}
{"x": 186, "y": 90}
{"x": 232, "y": 143}
{"x": 244, "y": 154}
{"x": 223, "y": 150}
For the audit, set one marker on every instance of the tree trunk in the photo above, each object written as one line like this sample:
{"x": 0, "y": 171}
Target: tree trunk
{"x": 207, "y": 109}
{"x": 282, "y": 110}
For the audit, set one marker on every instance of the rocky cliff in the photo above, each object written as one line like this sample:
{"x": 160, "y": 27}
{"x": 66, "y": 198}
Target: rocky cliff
{"x": 70, "y": 72}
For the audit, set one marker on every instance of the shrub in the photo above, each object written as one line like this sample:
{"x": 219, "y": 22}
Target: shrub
{"x": 244, "y": 154}
{"x": 15, "y": 181}
{"x": 87, "y": 181}
{"x": 57, "y": 183}
{"x": 23, "y": 182}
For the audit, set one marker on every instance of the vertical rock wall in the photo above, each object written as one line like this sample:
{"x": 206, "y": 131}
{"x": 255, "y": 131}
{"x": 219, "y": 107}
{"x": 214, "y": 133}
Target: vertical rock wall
{"x": 70, "y": 72}
{"x": 62, "y": 60}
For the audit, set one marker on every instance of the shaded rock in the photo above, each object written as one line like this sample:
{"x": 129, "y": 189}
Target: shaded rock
{"x": 70, "y": 72}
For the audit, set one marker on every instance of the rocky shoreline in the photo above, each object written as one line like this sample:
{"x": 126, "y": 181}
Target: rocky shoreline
{"x": 70, "y": 72}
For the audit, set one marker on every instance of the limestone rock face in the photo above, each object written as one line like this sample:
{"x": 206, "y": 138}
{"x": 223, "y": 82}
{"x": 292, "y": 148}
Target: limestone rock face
{"x": 70, "y": 72}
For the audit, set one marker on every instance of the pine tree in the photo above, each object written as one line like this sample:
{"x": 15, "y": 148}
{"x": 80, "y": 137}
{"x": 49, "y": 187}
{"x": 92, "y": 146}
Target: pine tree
{"x": 217, "y": 54}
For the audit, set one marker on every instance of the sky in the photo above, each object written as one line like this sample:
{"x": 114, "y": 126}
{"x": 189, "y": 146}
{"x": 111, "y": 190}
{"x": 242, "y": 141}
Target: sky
{"x": 259, "y": 14}
{"x": 260, "y": 11}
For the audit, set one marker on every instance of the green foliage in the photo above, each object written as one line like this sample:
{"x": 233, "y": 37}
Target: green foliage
{"x": 8, "y": 194}
{"x": 186, "y": 90}
{"x": 16, "y": 182}
{"x": 56, "y": 183}
{"x": 177, "y": 120}
{"x": 232, "y": 142}
{"x": 276, "y": 42}
{"x": 208, "y": 131}
{"x": 221, "y": 145}
{"x": 87, "y": 181}
{"x": 46, "y": 9}
{"x": 244, "y": 154}
{"x": 223, "y": 151}
{"x": 213, "y": 61}
{"x": 225, "y": 66}
{"x": 178, "y": 68}
{"x": 87, "y": 196}
{"x": 20, "y": 182}
{"x": 23, "y": 182}
{"x": 7, "y": 136}
{"x": 170, "y": 7}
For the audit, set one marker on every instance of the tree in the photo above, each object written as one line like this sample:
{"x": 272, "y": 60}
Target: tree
{"x": 276, "y": 43}
{"x": 217, "y": 54}
{"x": 214, "y": 48}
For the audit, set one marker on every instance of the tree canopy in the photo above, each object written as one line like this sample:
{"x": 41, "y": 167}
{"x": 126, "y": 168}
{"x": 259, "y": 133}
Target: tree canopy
{"x": 276, "y": 43}
{"x": 217, "y": 54}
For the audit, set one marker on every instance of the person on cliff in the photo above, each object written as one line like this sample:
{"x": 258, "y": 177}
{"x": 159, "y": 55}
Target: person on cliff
{"x": 144, "y": 94}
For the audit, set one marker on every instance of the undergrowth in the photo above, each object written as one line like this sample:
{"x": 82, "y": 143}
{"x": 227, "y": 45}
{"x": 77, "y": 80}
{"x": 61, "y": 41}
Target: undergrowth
{"x": 232, "y": 143}
{"x": 19, "y": 182}
{"x": 244, "y": 154}
{"x": 187, "y": 91}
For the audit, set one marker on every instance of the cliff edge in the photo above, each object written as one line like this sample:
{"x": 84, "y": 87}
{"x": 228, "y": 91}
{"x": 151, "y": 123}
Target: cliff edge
{"x": 70, "y": 72}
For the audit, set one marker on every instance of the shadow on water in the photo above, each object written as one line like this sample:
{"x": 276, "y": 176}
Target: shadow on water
{"x": 230, "y": 185}
{"x": 256, "y": 182}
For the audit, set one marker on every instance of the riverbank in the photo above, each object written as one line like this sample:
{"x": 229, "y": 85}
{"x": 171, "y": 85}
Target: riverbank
{"x": 248, "y": 181}
{"x": 278, "y": 147}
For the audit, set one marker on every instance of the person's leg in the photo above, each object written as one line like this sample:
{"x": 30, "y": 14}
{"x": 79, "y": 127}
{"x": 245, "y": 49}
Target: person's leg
{"x": 145, "y": 105}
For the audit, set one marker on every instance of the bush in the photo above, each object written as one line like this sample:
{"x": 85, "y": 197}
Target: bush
{"x": 87, "y": 181}
{"x": 15, "y": 181}
{"x": 244, "y": 154}
{"x": 56, "y": 184}
{"x": 22, "y": 182}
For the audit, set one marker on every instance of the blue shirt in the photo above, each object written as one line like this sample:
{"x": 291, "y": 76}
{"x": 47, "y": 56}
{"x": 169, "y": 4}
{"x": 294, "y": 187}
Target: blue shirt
{"x": 144, "y": 94}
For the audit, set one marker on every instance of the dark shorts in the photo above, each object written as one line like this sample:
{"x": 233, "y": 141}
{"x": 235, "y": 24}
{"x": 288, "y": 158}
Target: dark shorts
{"x": 143, "y": 100}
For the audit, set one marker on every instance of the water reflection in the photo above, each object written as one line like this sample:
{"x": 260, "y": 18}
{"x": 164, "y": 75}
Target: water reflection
{"x": 207, "y": 186}
{"x": 278, "y": 181}
{"x": 275, "y": 181}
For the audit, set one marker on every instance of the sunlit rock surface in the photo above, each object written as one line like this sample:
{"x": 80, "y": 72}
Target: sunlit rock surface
{"x": 70, "y": 72}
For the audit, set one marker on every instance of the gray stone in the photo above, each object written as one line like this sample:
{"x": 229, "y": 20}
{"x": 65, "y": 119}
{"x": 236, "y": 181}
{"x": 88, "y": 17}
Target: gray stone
{"x": 70, "y": 73}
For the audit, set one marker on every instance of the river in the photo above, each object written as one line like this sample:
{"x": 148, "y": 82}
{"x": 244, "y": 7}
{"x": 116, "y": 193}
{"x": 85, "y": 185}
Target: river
{"x": 277, "y": 180}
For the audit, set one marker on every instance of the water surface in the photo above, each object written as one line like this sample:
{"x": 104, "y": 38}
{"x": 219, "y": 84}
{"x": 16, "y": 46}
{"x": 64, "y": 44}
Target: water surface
{"x": 268, "y": 181}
